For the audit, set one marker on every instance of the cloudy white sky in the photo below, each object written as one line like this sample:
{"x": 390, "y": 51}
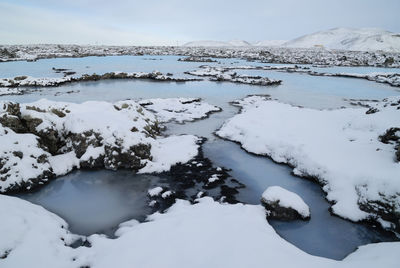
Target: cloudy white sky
{"x": 166, "y": 22}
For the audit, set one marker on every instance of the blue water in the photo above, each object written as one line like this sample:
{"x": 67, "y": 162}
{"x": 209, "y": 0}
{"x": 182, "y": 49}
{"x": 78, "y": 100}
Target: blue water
{"x": 96, "y": 201}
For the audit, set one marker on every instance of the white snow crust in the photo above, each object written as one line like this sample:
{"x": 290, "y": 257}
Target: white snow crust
{"x": 181, "y": 237}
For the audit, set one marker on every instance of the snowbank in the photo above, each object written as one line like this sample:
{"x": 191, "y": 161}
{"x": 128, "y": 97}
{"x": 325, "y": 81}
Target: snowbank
{"x": 275, "y": 197}
{"x": 228, "y": 235}
{"x": 33, "y": 237}
{"x": 339, "y": 148}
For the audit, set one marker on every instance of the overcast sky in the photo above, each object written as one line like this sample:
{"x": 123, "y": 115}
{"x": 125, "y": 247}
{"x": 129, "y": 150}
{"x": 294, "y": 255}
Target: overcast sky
{"x": 158, "y": 22}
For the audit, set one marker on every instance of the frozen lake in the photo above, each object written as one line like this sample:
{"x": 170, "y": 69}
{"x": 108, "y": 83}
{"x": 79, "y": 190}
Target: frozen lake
{"x": 97, "y": 201}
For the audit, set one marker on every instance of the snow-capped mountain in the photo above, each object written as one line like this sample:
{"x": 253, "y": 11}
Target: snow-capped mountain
{"x": 362, "y": 39}
{"x": 210, "y": 43}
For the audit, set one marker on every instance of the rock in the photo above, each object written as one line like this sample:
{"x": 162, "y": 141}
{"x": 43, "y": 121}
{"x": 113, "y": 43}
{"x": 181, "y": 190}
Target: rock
{"x": 197, "y": 59}
{"x": 116, "y": 158}
{"x": 392, "y": 135}
{"x": 282, "y": 204}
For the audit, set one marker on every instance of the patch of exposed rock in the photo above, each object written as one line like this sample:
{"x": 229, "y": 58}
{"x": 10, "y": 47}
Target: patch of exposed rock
{"x": 392, "y": 136}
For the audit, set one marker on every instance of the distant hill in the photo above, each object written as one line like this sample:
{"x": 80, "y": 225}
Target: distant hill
{"x": 210, "y": 43}
{"x": 362, "y": 39}
{"x": 239, "y": 43}
{"x": 270, "y": 43}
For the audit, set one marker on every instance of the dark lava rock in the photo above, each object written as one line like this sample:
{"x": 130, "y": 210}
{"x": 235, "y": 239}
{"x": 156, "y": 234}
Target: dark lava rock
{"x": 192, "y": 180}
{"x": 372, "y": 110}
{"x": 391, "y": 136}
{"x": 385, "y": 210}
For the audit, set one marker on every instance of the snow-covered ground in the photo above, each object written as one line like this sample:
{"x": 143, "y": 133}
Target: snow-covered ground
{"x": 252, "y": 53}
{"x": 206, "y": 234}
{"x": 44, "y": 139}
{"x": 339, "y": 148}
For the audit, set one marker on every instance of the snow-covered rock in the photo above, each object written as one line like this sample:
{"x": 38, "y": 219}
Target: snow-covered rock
{"x": 197, "y": 59}
{"x": 226, "y": 74}
{"x": 10, "y": 91}
{"x": 34, "y": 237}
{"x": 179, "y": 109}
{"x": 45, "y": 139}
{"x": 341, "y": 149}
{"x": 284, "y": 205}
{"x": 363, "y": 39}
{"x": 28, "y": 81}
{"x": 169, "y": 151}
{"x": 155, "y": 191}
{"x": 253, "y": 53}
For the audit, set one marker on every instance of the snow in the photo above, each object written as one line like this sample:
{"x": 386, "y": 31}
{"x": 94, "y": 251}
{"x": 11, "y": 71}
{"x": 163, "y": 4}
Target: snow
{"x": 33, "y": 81}
{"x": 64, "y": 163}
{"x": 155, "y": 191}
{"x": 169, "y": 151}
{"x": 238, "y": 43}
{"x": 181, "y": 237}
{"x": 121, "y": 126}
{"x": 166, "y": 194}
{"x": 210, "y": 43}
{"x": 10, "y": 91}
{"x": 270, "y": 43}
{"x": 25, "y": 166}
{"x": 32, "y": 236}
{"x": 340, "y": 148}
{"x": 211, "y": 50}
{"x": 213, "y": 178}
{"x": 286, "y": 199}
{"x": 179, "y": 109}
{"x": 362, "y": 39}
{"x": 25, "y": 81}
{"x": 221, "y": 74}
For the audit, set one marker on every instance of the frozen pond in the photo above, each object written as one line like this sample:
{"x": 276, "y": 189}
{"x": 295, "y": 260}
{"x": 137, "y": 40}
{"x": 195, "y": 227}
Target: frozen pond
{"x": 97, "y": 201}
